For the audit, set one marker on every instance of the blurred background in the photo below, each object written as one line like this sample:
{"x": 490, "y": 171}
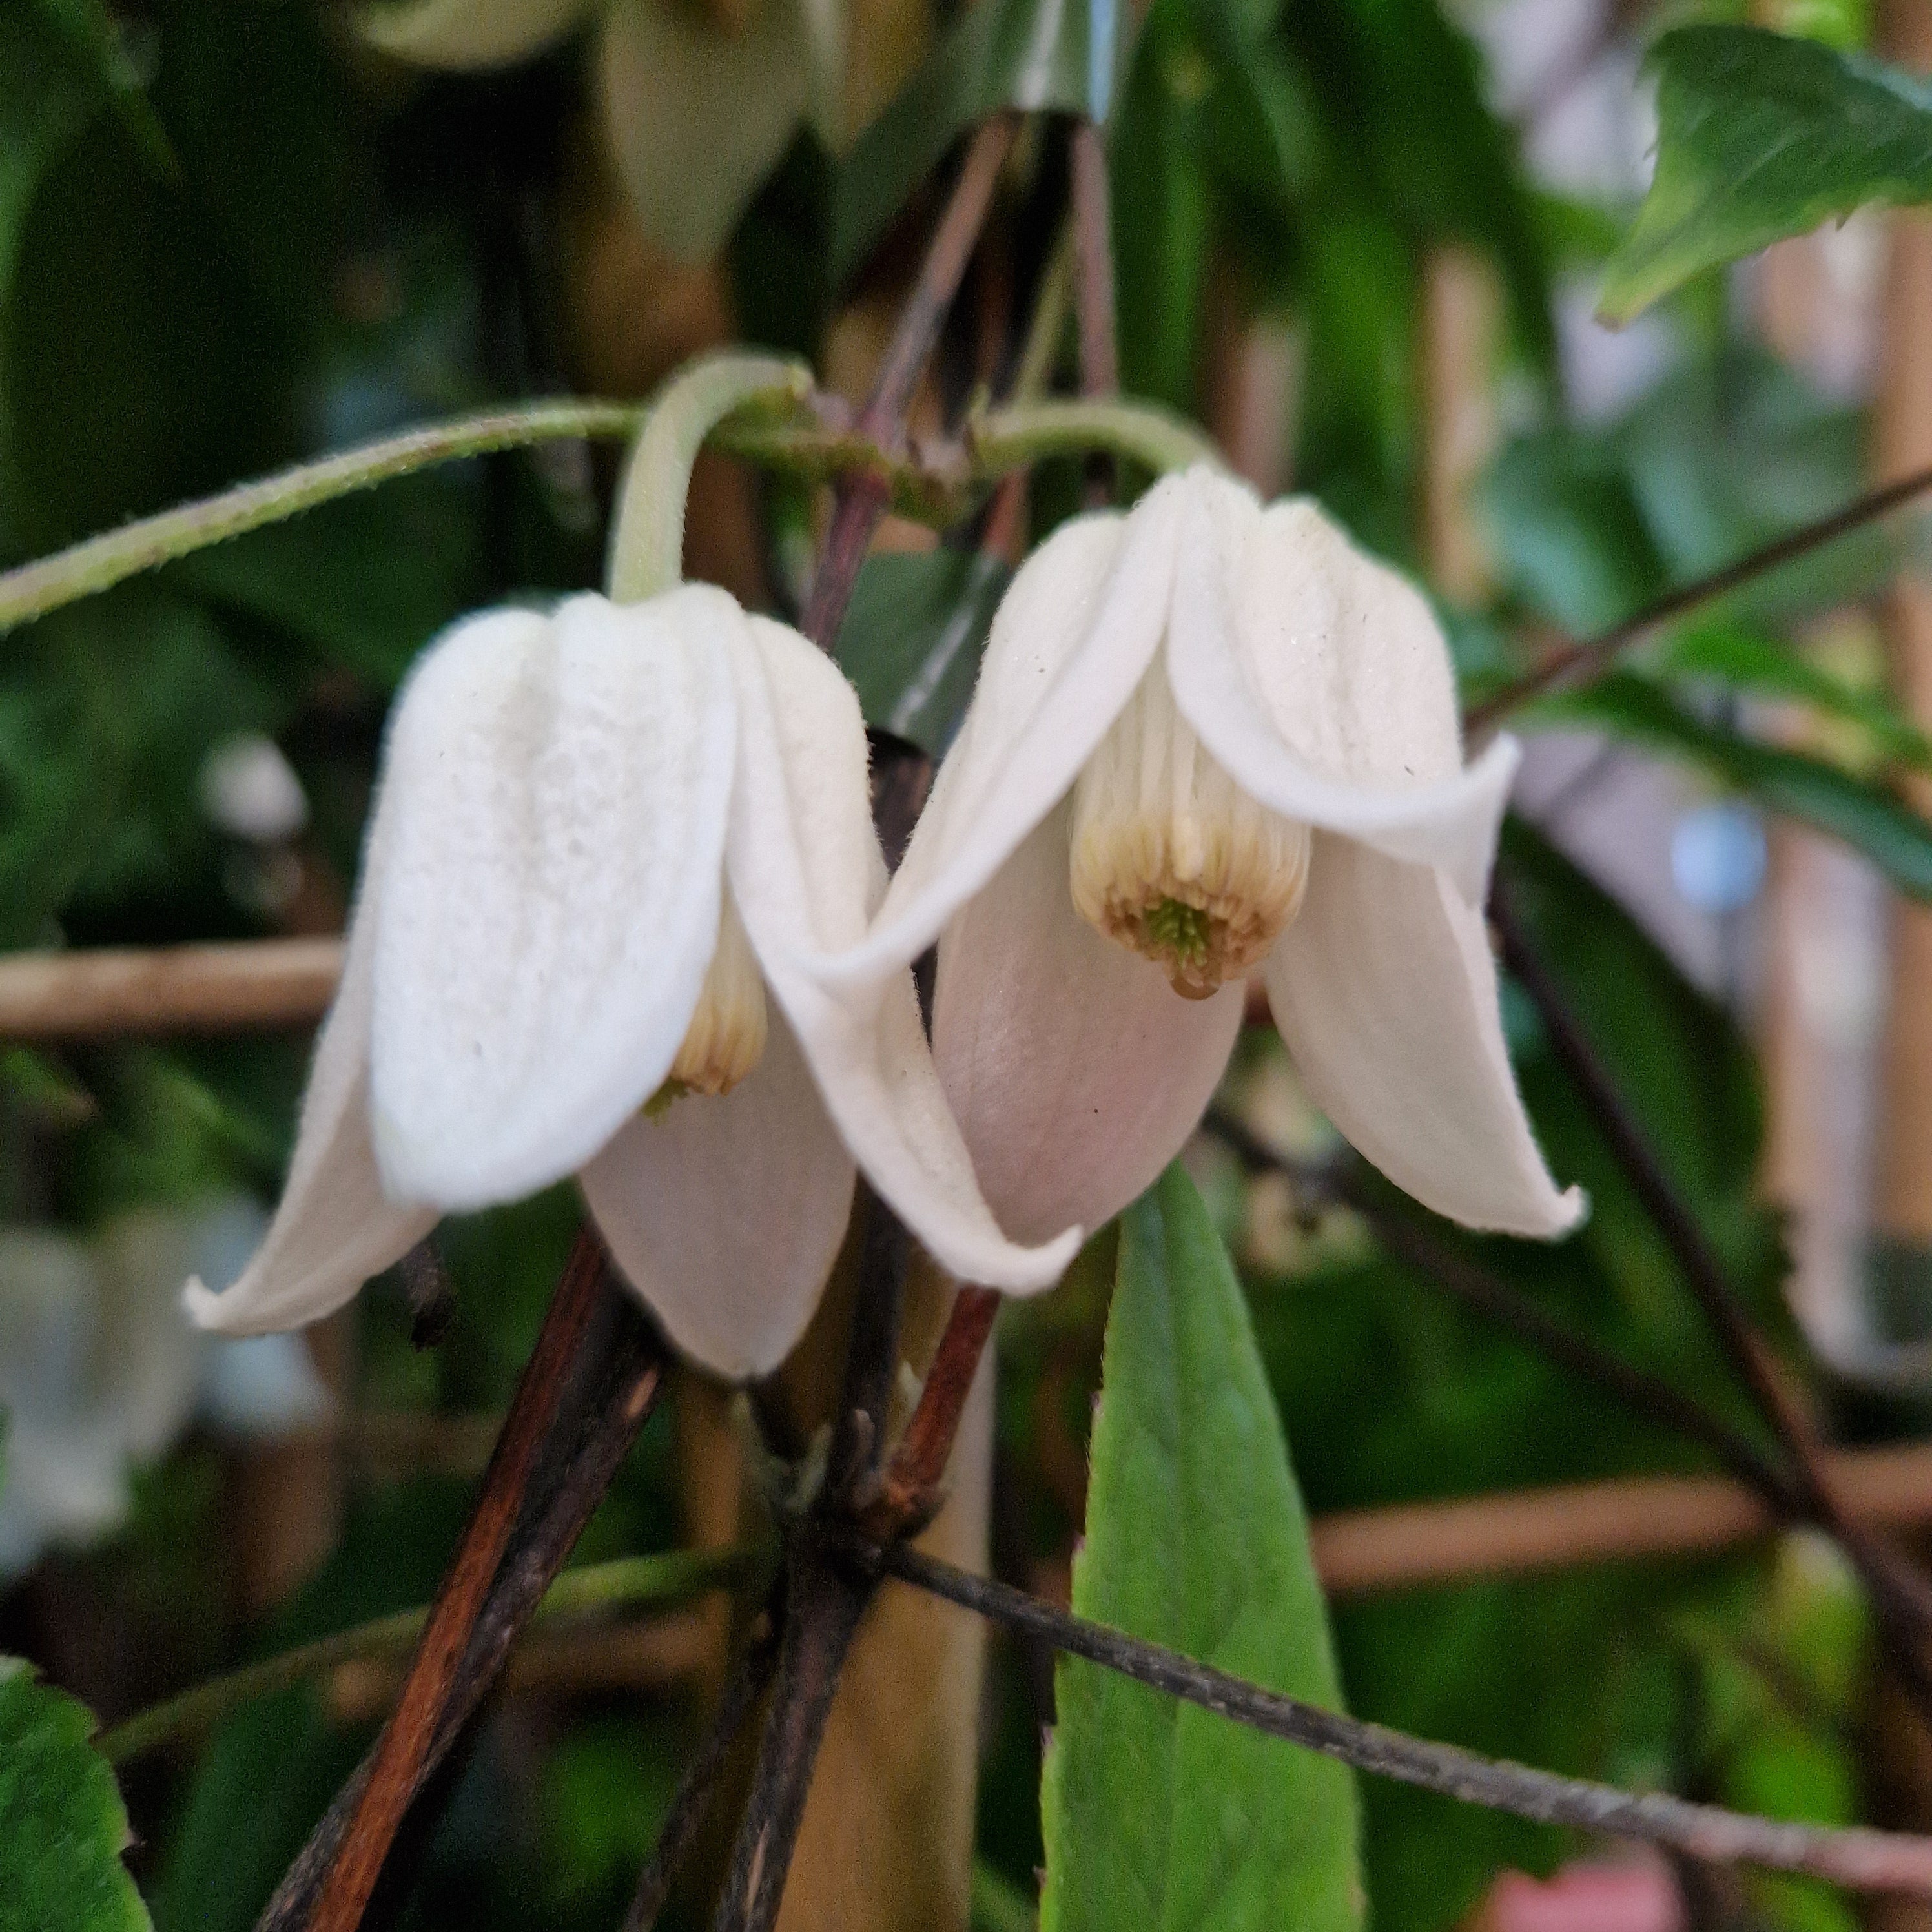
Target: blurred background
{"x": 1361, "y": 241}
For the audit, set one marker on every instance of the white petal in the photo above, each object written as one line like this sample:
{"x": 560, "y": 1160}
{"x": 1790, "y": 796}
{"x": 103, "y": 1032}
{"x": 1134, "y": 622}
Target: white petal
{"x": 726, "y": 1214}
{"x": 698, "y": 117}
{"x": 1076, "y": 1071}
{"x": 557, "y": 789}
{"x": 1385, "y": 992}
{"x": 334, "y": 1227}
{"x": 1320, "y": 680}
{"x": 1072, "y": 636}
{"x": 804, "y": 867}
{"x": 468, "y": 34}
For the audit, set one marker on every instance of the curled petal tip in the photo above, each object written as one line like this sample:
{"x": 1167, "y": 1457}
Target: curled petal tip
{"x": 201, "y": 1304}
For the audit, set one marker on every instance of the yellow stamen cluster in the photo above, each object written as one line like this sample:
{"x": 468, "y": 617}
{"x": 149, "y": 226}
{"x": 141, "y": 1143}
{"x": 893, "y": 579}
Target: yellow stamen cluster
{"x": 1171, "y": 858}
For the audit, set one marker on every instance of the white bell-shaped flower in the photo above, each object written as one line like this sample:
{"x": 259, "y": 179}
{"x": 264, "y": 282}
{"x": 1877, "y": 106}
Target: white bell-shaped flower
{"x": 602, "y": 839}
{"x": 1210, "y": 738}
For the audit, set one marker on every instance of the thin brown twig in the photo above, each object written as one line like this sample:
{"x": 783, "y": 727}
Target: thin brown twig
{"x": 1574, "y": 663}
{"x": 460, "y": 1599}
{"x": 1901, "y": 1594}
{"x": 1093, "y": 257}
{"x": 1860, "y": 1859}
{"x": 861, "y": 498}
{"x": 1490, "y": 1297}
{"x": 604, "y": 1399}
{"x": 699, "y": 1785}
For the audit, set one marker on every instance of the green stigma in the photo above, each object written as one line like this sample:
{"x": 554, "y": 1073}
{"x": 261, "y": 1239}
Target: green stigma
{"x": 1182, "y": 932}
{"x": 659, "y": 1104}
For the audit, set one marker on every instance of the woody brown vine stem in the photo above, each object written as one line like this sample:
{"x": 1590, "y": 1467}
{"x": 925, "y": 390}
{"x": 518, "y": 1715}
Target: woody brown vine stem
{"x": 1861, "y": 1858}
{"x": 598, "y": 1407}
{"x": 459, "y": 1654}
{"x": 1901, "y": 1592}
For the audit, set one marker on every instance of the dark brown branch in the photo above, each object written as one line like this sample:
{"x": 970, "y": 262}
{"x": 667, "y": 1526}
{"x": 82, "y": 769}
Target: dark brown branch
{"x": 460, "y": 1599}
{"x": 699, "y": 1785}
{"x": 1862, "y": 1859}
{"x": 1901, "y": 1594}
{"x": 1576, "y": 663}
{"x": 824, "y": 1604}
{"x": 604, "y": 1400}
{"x": 1493, "y": 1299}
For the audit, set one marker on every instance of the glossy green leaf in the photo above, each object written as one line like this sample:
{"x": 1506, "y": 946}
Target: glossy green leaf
{"x": 1759, "y": 137}
{"x": 62, "y": 1824}
{"x": 913, "y": 636}
{"x": 1157, "y": 1814}
{"x": 1817, "y": 793}
{"x": 1057, "y": 55}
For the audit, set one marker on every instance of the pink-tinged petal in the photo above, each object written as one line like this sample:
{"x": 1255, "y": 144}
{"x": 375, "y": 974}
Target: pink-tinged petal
{"x": 1076, "y": 1071}
{"x": 1385, "y": 992}
{"x": 726, "y": 1214}
{"x": 804, "y": 867}
{"x": 468, "y": 34}
{"x": 334, "y": 1226}
{"x": 557, "y": 789}
{"x": 1071, "y": 639}
{"x": 1320, "y": 680}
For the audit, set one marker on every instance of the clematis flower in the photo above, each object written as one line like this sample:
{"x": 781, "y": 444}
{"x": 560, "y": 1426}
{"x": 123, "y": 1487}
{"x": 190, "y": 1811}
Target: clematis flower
{"x": 1210, "y": 739}
{"x": 99, "y": 1374}
{"x": 699, "y": 104}
{"x": 602, "y": 839}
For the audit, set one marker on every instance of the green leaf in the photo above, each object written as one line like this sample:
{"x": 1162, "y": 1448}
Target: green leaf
{"x": 1061, "y": 56}
{"x": 1825, "y": 795}
{"x": 913, "y": 636}
{"x": 1163, "y": 210}
{"x": 1760, "y": 136}
{"x": 1155, "y": 1814}
{"x": 1749, "y": 660}
{"x": 62, "y": 1824}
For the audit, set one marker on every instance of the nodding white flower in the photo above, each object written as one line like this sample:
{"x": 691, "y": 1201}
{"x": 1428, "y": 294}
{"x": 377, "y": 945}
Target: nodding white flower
{"x": 99, "y": 1374}
{"x": 699, "y": 106}
{"x": 1210, "y": 738}
{"x": 602, "y": 840}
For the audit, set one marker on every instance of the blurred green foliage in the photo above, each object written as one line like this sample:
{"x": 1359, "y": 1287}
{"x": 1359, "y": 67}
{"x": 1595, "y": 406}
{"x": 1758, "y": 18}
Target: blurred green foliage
{"x": 227, "y": 242}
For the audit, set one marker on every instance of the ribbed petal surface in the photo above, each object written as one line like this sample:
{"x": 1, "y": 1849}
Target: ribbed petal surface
{"x": 1320, "y": 681}
{"x": 557, "y": 789}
